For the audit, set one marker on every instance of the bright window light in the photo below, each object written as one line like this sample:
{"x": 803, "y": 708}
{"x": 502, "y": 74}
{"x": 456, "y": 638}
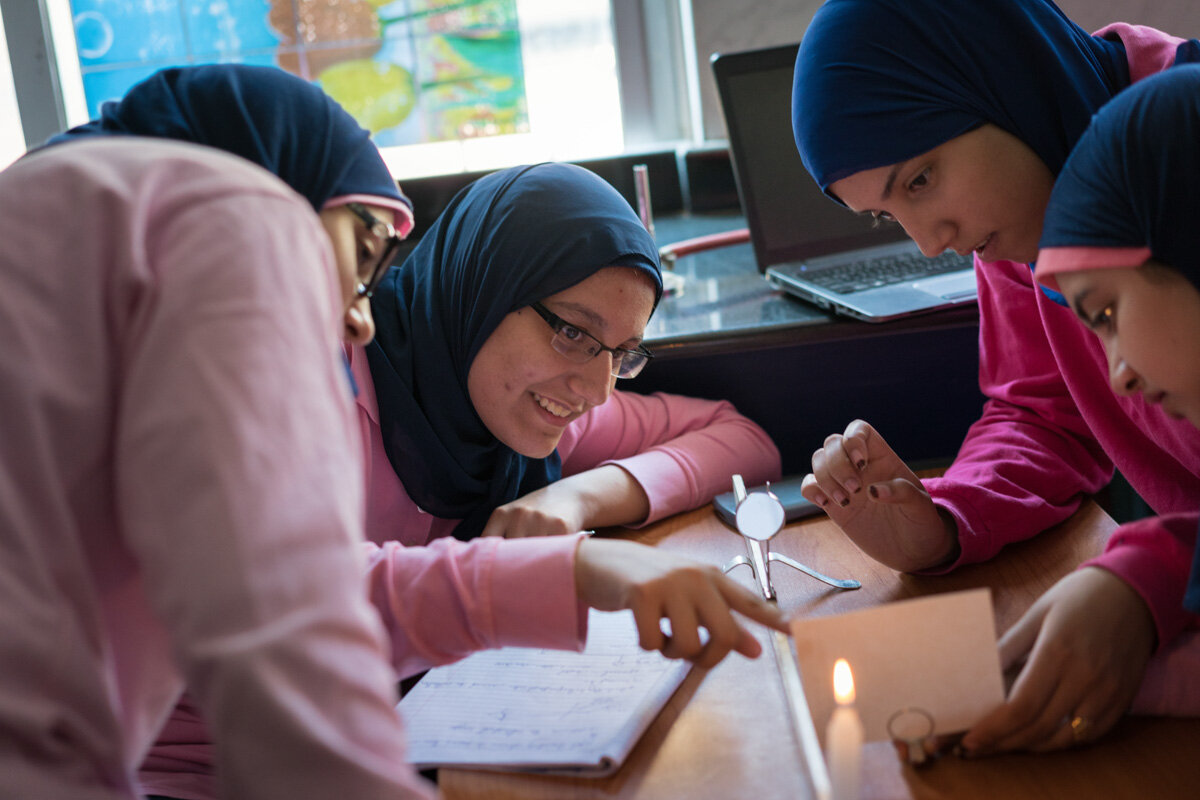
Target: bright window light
{"x": 443, "y": 85}
{"x": 12, "y": 139}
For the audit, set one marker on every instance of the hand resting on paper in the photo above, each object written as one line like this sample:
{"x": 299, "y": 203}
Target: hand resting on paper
{"x": 1085, "y": 643}
{"x": 878, "y": 501}
{"x": 611, "y": 575}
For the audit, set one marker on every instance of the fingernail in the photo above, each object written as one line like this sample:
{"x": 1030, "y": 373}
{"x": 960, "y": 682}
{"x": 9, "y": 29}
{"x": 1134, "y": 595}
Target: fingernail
{"x": 845, "y": 501}
{"x": 853, "y": 485}
{"x": 874, "y": 492}
{"x": 860, "y": 460}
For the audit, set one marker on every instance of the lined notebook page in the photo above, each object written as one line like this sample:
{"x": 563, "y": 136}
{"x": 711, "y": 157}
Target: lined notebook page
{"x": 542, "y": 710}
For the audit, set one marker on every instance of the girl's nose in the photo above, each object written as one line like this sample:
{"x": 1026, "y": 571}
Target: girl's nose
{"x": 1123, "y": 379}
{"x": 594, "y": 380}
{"x": 932, "y": 238}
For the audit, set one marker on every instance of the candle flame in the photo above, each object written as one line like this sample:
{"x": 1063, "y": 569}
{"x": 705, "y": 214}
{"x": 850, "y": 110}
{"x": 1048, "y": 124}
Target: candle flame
{"x": 843, "y": 682}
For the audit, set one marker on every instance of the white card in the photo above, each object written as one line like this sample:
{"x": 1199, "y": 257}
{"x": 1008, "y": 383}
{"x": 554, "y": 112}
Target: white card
{"x": 936, "y": 653}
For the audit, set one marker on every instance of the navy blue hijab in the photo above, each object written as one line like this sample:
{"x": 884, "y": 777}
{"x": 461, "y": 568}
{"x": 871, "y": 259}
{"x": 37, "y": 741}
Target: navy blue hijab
{"x": 281, "y": 122}
{"x": 1134, "y": 182}
{"x": 507, "y": 240}
{"x": 881, "y": 81}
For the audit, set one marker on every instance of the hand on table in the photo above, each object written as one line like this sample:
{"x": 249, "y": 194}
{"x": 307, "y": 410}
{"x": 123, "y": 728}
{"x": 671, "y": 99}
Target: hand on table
{"x": 611, "y": 575}
{"x": 597, "y": 498}
{"x": 878, "y": 501}
{"x": 1085, "y": 643}
{"x": 545, "y": 512}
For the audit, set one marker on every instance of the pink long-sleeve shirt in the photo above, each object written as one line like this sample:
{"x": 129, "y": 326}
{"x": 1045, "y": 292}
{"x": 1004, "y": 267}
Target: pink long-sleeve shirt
{"x": 1053, "y": 429}
{"x": 442, "y": 600}
{"x": 180, "y": 483}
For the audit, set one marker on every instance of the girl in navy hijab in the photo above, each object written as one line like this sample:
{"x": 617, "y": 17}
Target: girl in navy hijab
{"x": 953, "y": 119}
{"x": 511, "y": 239}
{"x": 1122, "y": 244}
{"x": 553, "y": 254}
{"x": 292, "y": 129}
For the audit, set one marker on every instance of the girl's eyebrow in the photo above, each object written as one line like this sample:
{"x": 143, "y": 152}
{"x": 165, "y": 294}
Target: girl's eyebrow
{"x": 594, "y": 322}
{"x": 891, "y": 182}
{"x": 591, "y": 318}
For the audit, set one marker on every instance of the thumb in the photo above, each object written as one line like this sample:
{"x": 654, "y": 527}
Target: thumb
{"x": 1018, "y": 640}
{"x": 896, "y": 491}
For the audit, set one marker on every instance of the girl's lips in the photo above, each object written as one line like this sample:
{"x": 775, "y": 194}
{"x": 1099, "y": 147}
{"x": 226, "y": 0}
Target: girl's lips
{"x": 556, "y": 411}
{"x": 981, "y": 248}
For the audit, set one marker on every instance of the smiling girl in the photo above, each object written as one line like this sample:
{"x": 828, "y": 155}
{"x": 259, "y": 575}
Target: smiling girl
{"x": 501, "y": 341}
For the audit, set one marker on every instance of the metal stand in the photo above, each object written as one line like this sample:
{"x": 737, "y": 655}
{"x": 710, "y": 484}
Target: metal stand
{"x": 759, "y": 517}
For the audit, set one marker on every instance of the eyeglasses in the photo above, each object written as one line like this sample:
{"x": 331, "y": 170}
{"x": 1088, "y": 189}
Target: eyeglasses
{"x": 391, "y": 244}
{"x": 581, "y": 347}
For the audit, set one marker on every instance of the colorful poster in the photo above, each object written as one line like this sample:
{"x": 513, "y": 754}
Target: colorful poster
{"x": 410, "y": 71}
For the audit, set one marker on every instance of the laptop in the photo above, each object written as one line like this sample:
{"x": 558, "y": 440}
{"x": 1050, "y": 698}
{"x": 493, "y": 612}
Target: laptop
{"x": 805, "y": 243}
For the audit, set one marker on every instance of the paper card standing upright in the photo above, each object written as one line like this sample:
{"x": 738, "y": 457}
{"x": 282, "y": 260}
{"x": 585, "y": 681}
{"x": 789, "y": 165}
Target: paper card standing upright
{"x": 936, "y": 653}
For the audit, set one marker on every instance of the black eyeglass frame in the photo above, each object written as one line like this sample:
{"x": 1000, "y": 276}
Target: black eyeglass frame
{"x": 391, "y": 245}
{"x": 557, "y": 323}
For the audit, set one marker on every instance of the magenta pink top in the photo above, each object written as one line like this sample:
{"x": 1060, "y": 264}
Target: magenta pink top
{"x": 180, "y": 491}
{"x": 1051, "y": 432}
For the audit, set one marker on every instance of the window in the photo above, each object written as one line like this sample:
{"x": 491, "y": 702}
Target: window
{"x": 443, "y": 85}
{"x": 12, "y": 140}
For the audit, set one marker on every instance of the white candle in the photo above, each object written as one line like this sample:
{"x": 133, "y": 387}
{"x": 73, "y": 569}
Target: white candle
{"x": 844, "y": 736}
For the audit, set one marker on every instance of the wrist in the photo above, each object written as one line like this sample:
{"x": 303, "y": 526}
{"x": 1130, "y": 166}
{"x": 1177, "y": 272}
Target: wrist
{"x": 952, "y": 550}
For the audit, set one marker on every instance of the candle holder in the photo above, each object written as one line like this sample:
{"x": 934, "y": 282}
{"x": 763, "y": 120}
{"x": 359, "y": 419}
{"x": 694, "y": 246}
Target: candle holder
{"x": 912, "y": 729}
{"x": 759, "y": 516}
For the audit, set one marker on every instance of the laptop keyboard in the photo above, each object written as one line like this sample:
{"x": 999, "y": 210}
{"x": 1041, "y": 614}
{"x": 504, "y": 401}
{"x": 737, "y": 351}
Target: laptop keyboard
{"x": 883, "y": 271}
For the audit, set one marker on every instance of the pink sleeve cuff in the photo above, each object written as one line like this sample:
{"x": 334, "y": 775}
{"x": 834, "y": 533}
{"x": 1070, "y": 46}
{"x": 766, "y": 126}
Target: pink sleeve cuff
{"x": 1169, "y": 687}
{"x": 1148, "y": 50}
{"x": 534, "y": 596}
{"x": 1152, "y": 557}
{"x": 669, "y": 488}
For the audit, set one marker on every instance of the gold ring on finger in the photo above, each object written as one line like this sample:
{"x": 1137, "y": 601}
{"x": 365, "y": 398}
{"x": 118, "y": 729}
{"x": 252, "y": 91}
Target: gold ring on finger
{"x": 1079, "y": 726}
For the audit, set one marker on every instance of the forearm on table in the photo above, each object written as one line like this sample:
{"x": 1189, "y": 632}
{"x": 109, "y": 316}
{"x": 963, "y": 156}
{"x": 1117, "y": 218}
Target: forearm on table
{"x": 609, "y": 495}
{"x": 680, "y": 450}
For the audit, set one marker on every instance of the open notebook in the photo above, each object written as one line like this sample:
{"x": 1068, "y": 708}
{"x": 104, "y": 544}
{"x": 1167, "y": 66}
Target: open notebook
{"x": 542, "y": 710}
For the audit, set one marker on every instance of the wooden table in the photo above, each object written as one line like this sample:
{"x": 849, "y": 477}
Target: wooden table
{"x": 725, "y": 734}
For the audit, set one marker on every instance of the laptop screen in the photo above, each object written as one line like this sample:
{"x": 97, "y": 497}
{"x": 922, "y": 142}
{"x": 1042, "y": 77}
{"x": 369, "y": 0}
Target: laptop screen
{"x": 788, "y": 215}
